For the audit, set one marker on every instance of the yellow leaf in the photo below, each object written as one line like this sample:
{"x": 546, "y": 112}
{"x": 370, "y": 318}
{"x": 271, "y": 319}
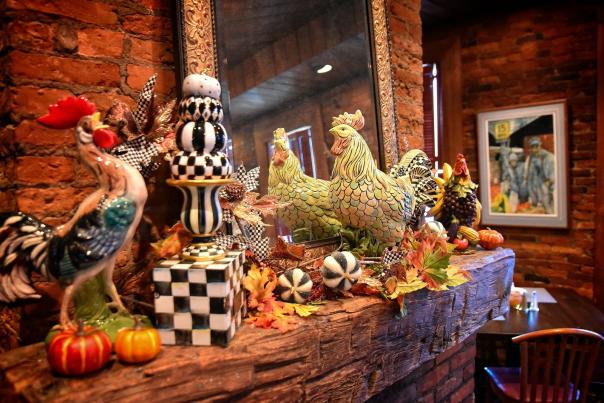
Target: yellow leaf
{"x": 303, "y": 310}
{"x": 260, "y": 283}
{"x": 457, "y": 276}
{"x": 406, "y": 287}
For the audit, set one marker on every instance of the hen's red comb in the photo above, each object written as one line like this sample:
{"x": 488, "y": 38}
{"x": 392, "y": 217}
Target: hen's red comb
{"x": 66, "y": 113}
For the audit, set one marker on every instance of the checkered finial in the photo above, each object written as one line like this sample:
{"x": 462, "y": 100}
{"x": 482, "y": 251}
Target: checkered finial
{"x": 144, "y": 101}
{"x": 391, "y": 256}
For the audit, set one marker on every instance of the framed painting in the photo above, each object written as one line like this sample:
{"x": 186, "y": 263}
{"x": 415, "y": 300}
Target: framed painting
{"x": 524, "y": 166}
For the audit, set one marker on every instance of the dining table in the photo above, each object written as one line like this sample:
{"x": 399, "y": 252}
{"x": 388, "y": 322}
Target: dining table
{"x": 561, "y": 308}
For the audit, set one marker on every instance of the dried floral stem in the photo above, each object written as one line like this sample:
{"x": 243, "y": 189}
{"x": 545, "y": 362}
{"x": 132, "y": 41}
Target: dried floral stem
{"x": 137, "y": 302}
{"x": 305, "y": 263}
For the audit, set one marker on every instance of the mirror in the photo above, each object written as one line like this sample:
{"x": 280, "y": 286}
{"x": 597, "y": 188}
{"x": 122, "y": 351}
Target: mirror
{"x": 294, "y": 65}
{"x": 238, "y": 41}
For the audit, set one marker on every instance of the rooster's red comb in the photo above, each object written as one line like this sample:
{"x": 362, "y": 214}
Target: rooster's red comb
{"x": 66, "y": 113}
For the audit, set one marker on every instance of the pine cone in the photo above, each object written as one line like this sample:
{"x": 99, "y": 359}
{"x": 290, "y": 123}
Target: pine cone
{"x": 234, "y": 191}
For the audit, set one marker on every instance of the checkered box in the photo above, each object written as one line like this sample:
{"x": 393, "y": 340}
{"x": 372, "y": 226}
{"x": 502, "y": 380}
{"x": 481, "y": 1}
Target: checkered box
{"x": 199, "y": 303}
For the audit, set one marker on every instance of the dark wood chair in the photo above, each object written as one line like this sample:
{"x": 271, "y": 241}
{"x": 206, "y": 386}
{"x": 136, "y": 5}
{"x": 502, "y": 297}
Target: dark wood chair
{"x": 556, "y": 365}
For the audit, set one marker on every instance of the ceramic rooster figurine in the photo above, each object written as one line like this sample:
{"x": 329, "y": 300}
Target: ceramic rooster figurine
{"x": 89, "y": 242}
{"x": 362, "y": 196}
{"x": 457, "y": 203}
{"x": 309, "y": 206}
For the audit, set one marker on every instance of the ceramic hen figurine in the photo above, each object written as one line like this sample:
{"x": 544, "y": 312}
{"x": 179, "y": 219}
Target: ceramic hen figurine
{"x": 308, "y": 197}
{"x": 88, "y": 244}
{"x": 362, "y": 196}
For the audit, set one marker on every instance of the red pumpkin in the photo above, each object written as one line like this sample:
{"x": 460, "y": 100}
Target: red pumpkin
{"x": 78, "y": 351}
{"x": 490, "y": 239}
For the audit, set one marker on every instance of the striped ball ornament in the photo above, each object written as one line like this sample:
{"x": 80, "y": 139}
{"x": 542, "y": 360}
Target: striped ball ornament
{"x": 340, "y": 271}
{"x": 205, "y": 137}
{"x": 294, "y": 286}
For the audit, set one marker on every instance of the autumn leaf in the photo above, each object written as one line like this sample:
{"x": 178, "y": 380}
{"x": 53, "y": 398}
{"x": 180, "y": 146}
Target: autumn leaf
{"x": 434, "y": 259}
{"x": 390, "y": 285}
{"x": 303, "y": 310}
{"x": 273, "y": 315}
{"x": 435, "y": 279}
{"x": 406, "y": 287}
{"x": 366, "y": 289}
{"x": 172, "y": 245}
{"x": 457, "y": 276}
{"x": 284, "y": 250}
{"x": 401, "y": 304}
{"x": 260, "y": 283}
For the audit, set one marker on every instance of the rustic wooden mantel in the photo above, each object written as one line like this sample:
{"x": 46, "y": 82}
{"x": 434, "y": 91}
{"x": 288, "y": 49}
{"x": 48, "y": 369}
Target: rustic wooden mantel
{"x": 351, "y": 350}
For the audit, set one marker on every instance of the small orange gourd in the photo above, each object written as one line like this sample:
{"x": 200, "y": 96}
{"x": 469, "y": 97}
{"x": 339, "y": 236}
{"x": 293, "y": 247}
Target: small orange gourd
{"x": 490, "y": 239}
{"x": 137, "y": 344}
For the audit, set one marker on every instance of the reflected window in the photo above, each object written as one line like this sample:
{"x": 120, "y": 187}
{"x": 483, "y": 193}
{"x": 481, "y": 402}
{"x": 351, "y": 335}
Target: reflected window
{"x": 432, "y": 114}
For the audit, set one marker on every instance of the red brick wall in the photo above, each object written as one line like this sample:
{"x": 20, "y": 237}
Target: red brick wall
{"x": 406, "y": 40}
{"x": 447, "y": 378}
{"x": 104, "y": 50}
{"x": 533, "y": 56}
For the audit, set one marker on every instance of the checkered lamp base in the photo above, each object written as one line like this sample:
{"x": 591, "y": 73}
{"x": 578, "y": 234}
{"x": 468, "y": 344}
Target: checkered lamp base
{"x": 200, "y": 252}
{"x": 199, "y": 303}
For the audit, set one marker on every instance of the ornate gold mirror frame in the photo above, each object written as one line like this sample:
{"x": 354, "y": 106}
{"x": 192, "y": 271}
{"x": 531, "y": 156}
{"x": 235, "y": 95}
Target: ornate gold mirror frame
{"x": 196, "y": 37}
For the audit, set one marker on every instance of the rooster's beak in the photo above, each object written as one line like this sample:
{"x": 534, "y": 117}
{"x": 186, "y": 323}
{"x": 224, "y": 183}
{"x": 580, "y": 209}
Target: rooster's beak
{"x": 102, "y": 136}
{"x": 96, "y": 122}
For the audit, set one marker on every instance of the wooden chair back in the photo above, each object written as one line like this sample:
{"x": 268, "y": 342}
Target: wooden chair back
{"x": 556, "y": 363}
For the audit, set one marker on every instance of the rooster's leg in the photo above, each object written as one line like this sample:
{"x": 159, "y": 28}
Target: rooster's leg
{"x": 68, "y": 296}
{"x": 110, "y": 287}
{"x": 64, "y": 315}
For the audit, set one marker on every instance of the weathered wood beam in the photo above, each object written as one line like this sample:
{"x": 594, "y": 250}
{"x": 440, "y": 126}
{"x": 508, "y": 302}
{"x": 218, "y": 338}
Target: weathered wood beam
{"x": 351, "y": 350}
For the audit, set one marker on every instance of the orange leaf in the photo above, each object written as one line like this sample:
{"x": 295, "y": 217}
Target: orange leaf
{"x": 260, "y": 283}
{"x": 284, "y": 250}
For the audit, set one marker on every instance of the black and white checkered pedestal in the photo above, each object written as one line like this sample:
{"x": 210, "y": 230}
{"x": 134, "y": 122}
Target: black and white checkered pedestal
{"x": 203, "y": 252}
{"x": 199, "y": 303}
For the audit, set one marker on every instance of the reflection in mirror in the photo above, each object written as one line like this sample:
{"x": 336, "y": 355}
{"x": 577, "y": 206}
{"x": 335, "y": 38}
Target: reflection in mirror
{"x": 294, "y": 65}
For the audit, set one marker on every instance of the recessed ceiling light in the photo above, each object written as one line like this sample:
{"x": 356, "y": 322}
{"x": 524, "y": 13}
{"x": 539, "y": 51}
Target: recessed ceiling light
{"x": 326, "y": 68}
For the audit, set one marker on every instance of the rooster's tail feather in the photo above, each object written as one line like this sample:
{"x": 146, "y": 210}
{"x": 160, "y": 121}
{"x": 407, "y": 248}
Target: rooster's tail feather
{"x": 23, "y": 246}
{"x": 417, "y": 167}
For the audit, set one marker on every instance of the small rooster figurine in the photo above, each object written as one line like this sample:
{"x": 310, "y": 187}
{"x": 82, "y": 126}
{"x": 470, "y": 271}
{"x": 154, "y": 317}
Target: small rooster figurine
{"x": 457, "y": 203}
{"x": 362, "y": 196}
{"x": 89, "y": 242}
{"x": 308, "y": 197}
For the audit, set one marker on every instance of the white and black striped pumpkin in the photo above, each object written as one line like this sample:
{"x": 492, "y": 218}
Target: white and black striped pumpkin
{"x": 294, "y": 286}
{"x": 435, "y": 227}
{"x": 340, "y": 271}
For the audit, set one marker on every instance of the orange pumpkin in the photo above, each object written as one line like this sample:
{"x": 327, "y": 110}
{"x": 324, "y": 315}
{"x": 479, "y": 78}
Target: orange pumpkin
{"x": 490, "y": 239}
{"x": 78, "y": 351}
{"x": 137, "y": 344}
